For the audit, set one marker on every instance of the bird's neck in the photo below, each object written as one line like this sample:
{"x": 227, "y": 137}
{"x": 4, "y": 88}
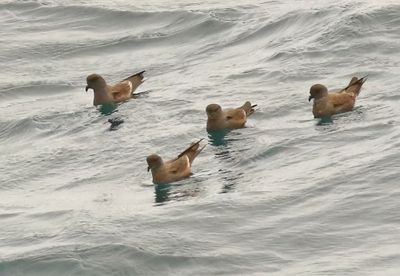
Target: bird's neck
{"x": 216, "y": 117}
{"x": 321, "y": 100}
{"x": 101, "y": 96}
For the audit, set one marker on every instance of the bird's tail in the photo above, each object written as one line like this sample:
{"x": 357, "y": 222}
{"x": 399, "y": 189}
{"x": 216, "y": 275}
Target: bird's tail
{"x": 192, "y": 151}
{"x": 136, "y": 80}
{"x": 248, "y": 108}
{"x": 355, "y": 85}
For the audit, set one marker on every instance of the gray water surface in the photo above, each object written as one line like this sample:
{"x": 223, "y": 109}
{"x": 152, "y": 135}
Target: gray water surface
{"x": 288, "y": 195}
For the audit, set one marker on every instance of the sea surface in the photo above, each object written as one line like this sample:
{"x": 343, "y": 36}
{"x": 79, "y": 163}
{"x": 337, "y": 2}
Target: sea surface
{"x": 287, "y": 195}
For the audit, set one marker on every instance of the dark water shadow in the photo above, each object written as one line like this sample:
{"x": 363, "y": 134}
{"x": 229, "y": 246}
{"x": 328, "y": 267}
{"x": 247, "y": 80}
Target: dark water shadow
{"x": 327, "y": 125}
{"x": 161, "y": 192}
{"x": 217, "y": 137}
{"x": 230, "y": 181}
{"x": 141, "y": 94}
{"x": 174, "y": 192}
{"x": 356, "y": 114}
{"x": 108, "y": 109}
{"x": 114, "y": 123}
{"x": 228, "y": 157}
{"x": 325, "y": 121}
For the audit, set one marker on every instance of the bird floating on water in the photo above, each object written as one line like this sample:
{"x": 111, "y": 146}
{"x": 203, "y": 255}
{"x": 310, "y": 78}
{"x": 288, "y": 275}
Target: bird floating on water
{"x": 121, "y": 91}
{"x": 175, "y": 169}
{"x": 328, "y": 103}
{"x": 230, "y": 118}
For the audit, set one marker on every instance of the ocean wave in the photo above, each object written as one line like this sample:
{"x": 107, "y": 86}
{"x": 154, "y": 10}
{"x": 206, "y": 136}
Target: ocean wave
{"x": 103, "y": 259}
{"x": 16, "y": 130}
{"x": 77, "y": 199}
{"x": 89, "y": 30}
{"x": 33, "y": 88}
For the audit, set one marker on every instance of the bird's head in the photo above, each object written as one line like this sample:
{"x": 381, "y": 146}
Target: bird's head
{"x": 317, "y": 91}
{"x": 95, "y": 81}
{"x": 153, "y": 161}
{"x": 213, "y": 111}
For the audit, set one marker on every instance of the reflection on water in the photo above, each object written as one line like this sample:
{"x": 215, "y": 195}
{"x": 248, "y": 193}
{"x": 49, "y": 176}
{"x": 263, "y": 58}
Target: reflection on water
{"x": 108, "y": 109}
{"x": 217, "y": 138}
{"x": 162, "y": 192}
{"x": 174, "y": 192}
{"x": 325, "y": 121}
{"x": 339, "y": 121}
{"x": 230, "y": 179}
{"x": 114, "y": 123}
{"x": 356, "y": 114}
{"x": 227, "y": 157}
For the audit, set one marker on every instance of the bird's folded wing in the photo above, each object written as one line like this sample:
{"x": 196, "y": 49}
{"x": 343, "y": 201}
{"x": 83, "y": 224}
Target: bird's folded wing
{"x": 355, "y": 85}
{"x": 235, "y": 115}
{"x": 192, "y": 151}
{"x": 248, "y": 108}
{"x": 178, "y": 166}
{"x": 121, "y": 91}
{"x": 341, "y": 99}
{"x": 136, "y": 80}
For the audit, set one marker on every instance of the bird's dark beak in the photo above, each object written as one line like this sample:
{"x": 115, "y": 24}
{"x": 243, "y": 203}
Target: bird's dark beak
{"x": 148, "y": 168}
{"x": 87, "y": 88}
{"x": 311, "y": 97}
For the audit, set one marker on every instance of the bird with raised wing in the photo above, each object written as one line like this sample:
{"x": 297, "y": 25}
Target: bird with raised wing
{"x": 230, "y": 118}
{"x": 328, "y": 103}
{"x": 121, "y": 91}
{"x": 176, "y": 169}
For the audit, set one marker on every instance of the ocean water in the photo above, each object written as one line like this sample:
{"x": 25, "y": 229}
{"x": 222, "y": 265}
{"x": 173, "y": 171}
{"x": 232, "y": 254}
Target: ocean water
{"x": 287, "y": 195}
